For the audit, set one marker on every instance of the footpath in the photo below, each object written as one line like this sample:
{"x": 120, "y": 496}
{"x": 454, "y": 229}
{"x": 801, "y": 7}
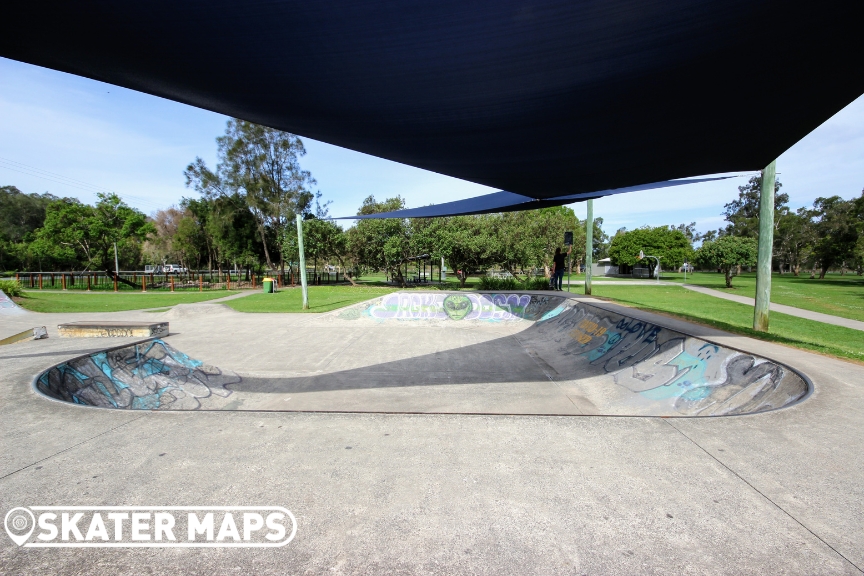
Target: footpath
{"x": 790, "y": 310}
{"x": 783, "y": 309}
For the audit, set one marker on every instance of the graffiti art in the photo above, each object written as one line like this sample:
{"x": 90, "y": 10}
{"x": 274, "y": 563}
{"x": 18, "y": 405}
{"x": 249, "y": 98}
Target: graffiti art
{"x": 147, "y": 376}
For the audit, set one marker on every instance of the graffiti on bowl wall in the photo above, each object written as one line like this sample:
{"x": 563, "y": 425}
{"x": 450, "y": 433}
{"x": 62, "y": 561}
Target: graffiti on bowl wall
{"x": 147, "y": 376}
{"x": 664, "y": 366}
{"x": 442, "y": 306}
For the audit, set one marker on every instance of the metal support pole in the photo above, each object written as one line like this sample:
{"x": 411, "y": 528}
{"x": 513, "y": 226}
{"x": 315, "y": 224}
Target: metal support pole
{"x": 589, "y": 246}
{"x": 116, "y": 267}
{"x": 766, "y": 245}
{"x": 568, "y": 271}
{"x": 304, "y": 287}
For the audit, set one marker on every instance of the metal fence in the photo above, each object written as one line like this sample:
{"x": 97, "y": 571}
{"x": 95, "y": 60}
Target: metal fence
{"x": 193, "y": 280}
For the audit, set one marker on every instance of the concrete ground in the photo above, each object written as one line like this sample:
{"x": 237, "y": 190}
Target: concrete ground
{"x": 777, "y": 493}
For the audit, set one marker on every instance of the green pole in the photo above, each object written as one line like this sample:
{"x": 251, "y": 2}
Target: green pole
{"x": 589, "y": 246}
{"x": 766, "y": 245}
{"x": 305, "y": 288}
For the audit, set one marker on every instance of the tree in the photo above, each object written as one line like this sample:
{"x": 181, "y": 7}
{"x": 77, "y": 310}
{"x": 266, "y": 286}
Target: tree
{"x": 727, "y": 253}
{"x": 521, "y": 241}
{"x": 323, "y": 240}
{"x": 20, "y": 216}
{"x": 75, "y": 232}
{"x": 837, "y": 231}
{"x": 380, "y": 244}
{"x": 467, "y": 243}
{"x": 669, "y": 244}
{"x": 793, "y": 241}
{"x": 689, "y": 230}
{"x": 262, "y": 166}
{"x": 743, "y": 213}
{"x": 159, "y": 248}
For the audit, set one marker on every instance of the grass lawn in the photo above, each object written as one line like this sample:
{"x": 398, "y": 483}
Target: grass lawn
{"x": 321, "y": 299}
{"x": 111, "y": 302}
{"x": 738, "y": 318}
{"x": 836, "y": 295}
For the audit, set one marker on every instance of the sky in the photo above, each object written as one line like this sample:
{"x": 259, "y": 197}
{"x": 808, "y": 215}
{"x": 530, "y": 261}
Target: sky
{"x": 72, "y": 136}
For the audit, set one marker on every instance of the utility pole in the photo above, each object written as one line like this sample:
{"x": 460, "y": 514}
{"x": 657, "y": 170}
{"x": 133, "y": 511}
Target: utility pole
{"x": 116, "y": 267}
{"x": 589, "y": 246}
{"x": 304, "y": 287}
{"x": 766, "y": 247}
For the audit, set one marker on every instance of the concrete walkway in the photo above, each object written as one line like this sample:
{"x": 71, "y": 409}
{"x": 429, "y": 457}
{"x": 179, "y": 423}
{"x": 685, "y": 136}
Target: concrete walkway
{"x": 790, "y": 310}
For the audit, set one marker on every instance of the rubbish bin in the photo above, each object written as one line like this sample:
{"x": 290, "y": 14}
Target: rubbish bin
{"x": 268, "y": 285}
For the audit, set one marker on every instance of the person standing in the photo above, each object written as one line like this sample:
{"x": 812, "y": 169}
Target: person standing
{"x": 558, "y": 267}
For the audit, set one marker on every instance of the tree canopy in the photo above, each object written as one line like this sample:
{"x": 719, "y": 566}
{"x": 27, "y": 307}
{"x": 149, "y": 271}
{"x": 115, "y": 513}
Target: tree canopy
{"x": 671, "y": 246}
{"x": 727, "y": 253}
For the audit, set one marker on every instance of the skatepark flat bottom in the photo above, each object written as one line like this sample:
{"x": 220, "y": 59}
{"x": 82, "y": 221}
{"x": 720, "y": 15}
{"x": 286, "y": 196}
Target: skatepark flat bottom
{"x": 506, "y": 353}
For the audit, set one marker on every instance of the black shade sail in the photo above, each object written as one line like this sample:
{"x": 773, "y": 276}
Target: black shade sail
{"x": 510, "y": 202}
{"x": 541, "y": 98}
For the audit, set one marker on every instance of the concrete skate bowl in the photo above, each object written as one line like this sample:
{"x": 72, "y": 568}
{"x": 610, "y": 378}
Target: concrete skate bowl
{"x": 462, "y": 353}
{"x": 150, "y": 375}
{"x": 8, "y": 307}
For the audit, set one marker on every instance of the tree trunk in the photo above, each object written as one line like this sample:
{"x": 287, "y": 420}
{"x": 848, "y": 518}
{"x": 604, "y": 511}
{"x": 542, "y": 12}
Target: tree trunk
{"x": 822, "y": 272}
{"x": 728, "y": 276}
{"x": 264, "y": 243}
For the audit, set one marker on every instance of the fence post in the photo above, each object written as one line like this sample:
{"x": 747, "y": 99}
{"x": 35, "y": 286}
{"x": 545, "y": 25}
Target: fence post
{"x": 144, "y": 283}
{"x": 115, "y": 281}
{"x": 200, "y": 282}
{"x": 63, "y": 281}
{"x": 88, "y": 283}
{"x": 229, "y": 281}
{"x": 172, "y": 284}
{"x": 40, "y": 281}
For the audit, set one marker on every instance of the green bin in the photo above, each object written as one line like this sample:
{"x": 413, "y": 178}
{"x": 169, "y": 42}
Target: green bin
{"x": 268, "y": 285}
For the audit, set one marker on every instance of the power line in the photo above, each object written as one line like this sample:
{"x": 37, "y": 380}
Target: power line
{"x": 22, "y": 168}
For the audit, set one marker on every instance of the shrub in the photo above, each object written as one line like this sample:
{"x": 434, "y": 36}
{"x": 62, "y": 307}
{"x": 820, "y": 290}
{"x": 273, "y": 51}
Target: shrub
{"x": 536, "y": 283}
{"x": 11, "y": 287}
{"x": 489, "y": 283}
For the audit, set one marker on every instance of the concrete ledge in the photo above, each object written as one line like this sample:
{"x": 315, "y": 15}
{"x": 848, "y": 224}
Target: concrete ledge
{"x": 107, "y": 329}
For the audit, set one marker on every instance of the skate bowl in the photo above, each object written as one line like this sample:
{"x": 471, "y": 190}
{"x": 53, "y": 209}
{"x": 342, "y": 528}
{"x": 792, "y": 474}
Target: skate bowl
{"x": 438, "y": 352}
{"x": 8, "y": 307}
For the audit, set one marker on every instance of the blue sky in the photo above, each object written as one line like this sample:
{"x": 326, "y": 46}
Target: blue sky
{"x": 72, "y": 136}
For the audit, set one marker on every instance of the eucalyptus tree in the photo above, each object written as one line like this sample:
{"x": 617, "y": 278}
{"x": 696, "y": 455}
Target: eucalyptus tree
{"x": 261, "y": 165}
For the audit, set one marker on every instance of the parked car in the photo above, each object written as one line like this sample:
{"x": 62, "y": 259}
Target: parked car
{"x": 173, "y": 269}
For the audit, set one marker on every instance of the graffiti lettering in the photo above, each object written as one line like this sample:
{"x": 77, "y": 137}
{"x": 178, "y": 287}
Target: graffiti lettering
{"x": 488, "y": 307}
